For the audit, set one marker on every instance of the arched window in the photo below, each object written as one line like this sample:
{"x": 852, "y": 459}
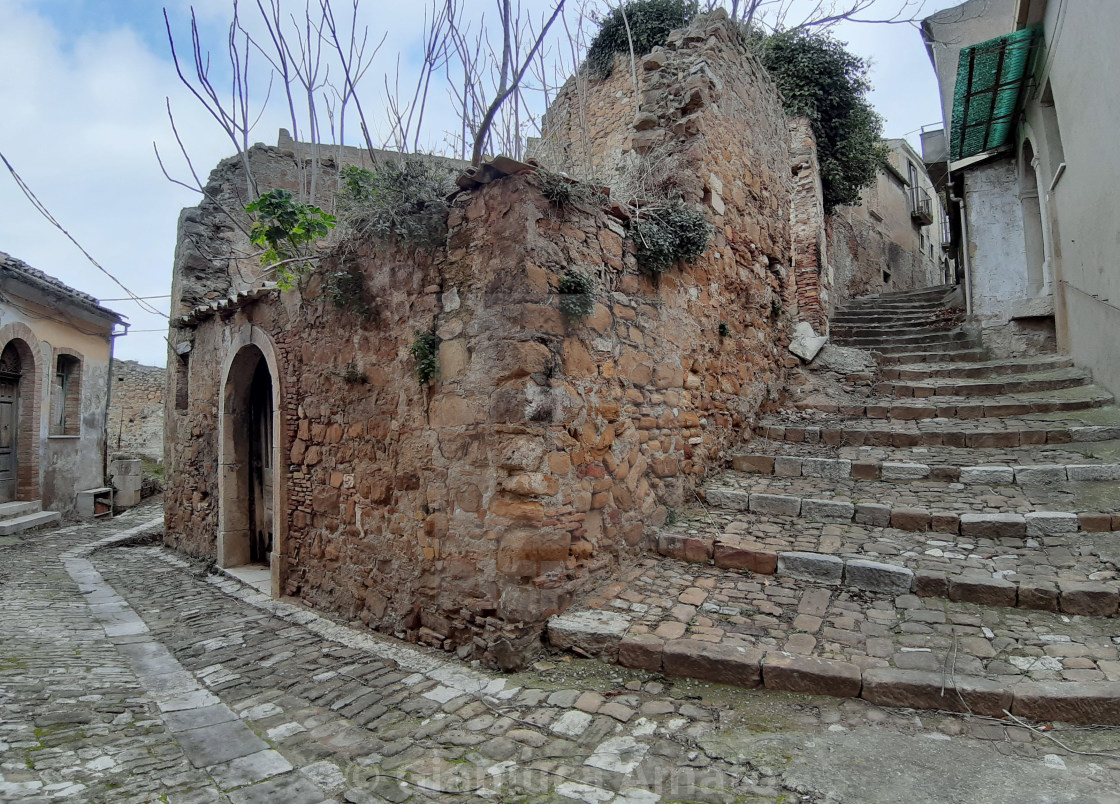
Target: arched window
{"x": 66, "y": 396}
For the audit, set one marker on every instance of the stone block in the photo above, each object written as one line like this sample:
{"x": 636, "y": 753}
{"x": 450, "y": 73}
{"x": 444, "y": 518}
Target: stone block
{"x": 595, "y": 632}
{"x": 865, "y": 470}
{"x": 912, "y": 519}
{"x": 1051, "y": 523}
{"x": 831, "y": 468}
{"x": 1040, "y": 474}
{"x": 1091, "y": 472}
{"x": 641, "y": 651}
{"x": 1096, "y": 702}
{"x": 993, "y": 526}
{"x": 811, "y": 567}
{"x": 983, "y": 591}
{"x": 873, "y": 576}
{"x": 1093, "y": 433}
{"x": 989, "y": 475}
{"x": 684, "y": 548}
{"x": 731, "y": 499}
{"x": 930, "y": 583}
{"x": 782, "y": 671}
{"x": 873, "y": 514}
{"x": 733, "y": 556}
{"x": 895, "y": 471}
{"x": 755, "y": 464}
{"x": 947, "y": 474}
{"x": 775, "y": 504}
{"x": 1089, "y": 599}
{"x": 919, "y": 689}
{"x": 707, "y": 661}
{"x": 944, "y": 522}
{"x": 1094, "y": 522}
{"x": 1039, "y": 595}
{"x": 785, "y": 466}
{"x": 827, "y": 510}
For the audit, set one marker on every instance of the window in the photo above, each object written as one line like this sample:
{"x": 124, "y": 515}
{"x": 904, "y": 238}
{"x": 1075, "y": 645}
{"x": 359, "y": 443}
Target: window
{"x": 66, "y": 396}
{"x": 1054, "y": 148}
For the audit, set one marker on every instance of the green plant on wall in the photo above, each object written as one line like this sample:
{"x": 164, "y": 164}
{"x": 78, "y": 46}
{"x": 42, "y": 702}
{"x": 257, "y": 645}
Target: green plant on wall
{"x": 563, "y": 192}
{"x": 346, "y": 287}
{"x": 424, "y": 351}
{"x": 577, "y": 295}
{"x": 286, "y": 229}
{"x": 649, "y": 21}
{"x": 669, "y": 233}
{"x": 724, "y": 329}
{"x": 405, "y": 200}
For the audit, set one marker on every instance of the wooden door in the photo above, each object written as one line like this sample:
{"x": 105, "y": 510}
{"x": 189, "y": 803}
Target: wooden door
{"x": 9, "y": 452}
{"x": 260, "y": 466}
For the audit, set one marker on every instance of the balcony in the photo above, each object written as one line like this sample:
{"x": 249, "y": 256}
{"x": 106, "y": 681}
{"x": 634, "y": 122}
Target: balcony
{"x": 921, "y": 207}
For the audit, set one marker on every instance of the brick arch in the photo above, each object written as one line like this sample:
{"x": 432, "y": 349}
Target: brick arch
{"x": 30, "y": 407}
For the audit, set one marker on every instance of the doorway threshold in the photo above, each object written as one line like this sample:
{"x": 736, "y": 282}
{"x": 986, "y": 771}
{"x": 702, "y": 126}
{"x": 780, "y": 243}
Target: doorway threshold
{"x": 258, "y": 576}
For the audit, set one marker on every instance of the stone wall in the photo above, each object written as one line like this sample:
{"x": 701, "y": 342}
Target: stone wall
{"x": 136, "y": 410}
{"x": 812, "y": 273}
{"x": 466, "y": 512}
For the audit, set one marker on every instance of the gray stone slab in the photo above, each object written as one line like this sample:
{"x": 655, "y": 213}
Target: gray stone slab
{"x": 594, "y": 631}
{"x": 894, "y": 470}
{"x": 250, "y": 769}
{"x": 811, "y": 567}
{"x": 993, "y": 526}
{"x": 873, "y": 514}
{"x": 221, "y": 742}
{"x": 1091, "y": 472}
{"x": 827, "y": 510}
{"x": 775, "y": 504}
{"x": 192, "y": 700}
{"x": 289, "y": 789}
{"x": 785, "y": 466}
{"x": 873, "y": 576}
{"x": 830, "y": 468}
{"x": 1051, "y": 523}
{"x": 731, "y": 499}
{"x": 991, "y": 475}
{"x": 187, "y": 719}
{"x": 1040, "y": 474}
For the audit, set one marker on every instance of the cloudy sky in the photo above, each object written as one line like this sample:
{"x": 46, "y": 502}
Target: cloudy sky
{"x": 84, "y": 86}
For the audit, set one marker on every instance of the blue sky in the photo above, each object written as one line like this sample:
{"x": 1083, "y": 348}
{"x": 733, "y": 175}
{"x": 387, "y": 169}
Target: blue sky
{"x": 83, "y": 84}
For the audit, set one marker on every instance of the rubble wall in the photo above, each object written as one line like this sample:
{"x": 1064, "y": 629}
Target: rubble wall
{"x": 465, "y": 512}
{"x": 809, "y": 254}
{"x": 136, "y": 410}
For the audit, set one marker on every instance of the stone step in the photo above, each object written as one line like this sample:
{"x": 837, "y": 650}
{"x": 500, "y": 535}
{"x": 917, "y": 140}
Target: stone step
{"x": 789, "y": 634}
{"x": 947, "y": 347}
{"x": 990, "y": 368}
{"x": 900, "y": 342}
{"x": 1082, "y": 397}
{"x": 1049, "y": 380}
{"x": 18, "y": 524}
{"x": 978, "y": 433}
{"x": 894, "y": 562}
{"x": 932, "y": 290}
{"x": 13, "y": 509}
{"x": 896, "y": 305}
{"x": 990, "y": 474}
{"x": 972, "y": 354}
{"x": 887, "y": 331}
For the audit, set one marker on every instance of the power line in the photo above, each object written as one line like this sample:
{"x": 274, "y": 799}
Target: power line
{"x": 131, "y": 298}
{"x": 35, "y": 202}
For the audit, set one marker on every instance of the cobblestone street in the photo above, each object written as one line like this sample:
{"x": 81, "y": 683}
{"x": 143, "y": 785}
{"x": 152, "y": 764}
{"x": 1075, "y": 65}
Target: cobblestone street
{"x": 131, "y": 674}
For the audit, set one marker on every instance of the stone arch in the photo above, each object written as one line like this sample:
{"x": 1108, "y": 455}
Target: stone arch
{"x": 29, "y": 406}
{"x": 1034, "y": 231}
{"x": 250, "y": 360}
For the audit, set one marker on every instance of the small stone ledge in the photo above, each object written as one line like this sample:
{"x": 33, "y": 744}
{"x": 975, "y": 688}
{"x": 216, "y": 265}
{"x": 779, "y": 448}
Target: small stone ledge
{"x": 899, "y": 472}
{"x": 1091, "y": 599}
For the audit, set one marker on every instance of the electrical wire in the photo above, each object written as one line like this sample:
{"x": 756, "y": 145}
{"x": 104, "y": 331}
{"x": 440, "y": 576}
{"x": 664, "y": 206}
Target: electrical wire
{"x": 42, "y": 210}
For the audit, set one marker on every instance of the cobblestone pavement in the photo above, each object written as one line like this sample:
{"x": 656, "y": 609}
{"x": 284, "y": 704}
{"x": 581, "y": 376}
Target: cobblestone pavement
{"x": 131, "y": 674}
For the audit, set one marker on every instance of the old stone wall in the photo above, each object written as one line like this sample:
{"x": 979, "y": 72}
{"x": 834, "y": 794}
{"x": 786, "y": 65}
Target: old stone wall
{"x": 465, "y": 512}
{"x": 812, "y": 272}
{"x": 136, "y": 410}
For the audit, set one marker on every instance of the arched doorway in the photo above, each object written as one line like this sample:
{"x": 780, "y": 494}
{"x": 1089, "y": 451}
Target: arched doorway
{"x": 18, "y": 471}
{"x": 1033, "y": 231}
{"x": 247, "y": 489}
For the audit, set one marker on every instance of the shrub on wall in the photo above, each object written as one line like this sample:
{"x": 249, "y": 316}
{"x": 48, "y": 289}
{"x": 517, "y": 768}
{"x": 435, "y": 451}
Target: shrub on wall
{"x": 650, "y": 23}
{"x": 577, "y": 295}
{"x": 819, "y": 79}
{"x": 425, "y": 350}
{"x": 287, "y": 230}
{"x": 668, "y": 234}
{"x": 405, "y": 200}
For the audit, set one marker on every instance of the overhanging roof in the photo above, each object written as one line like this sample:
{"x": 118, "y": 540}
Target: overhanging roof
{"x": 990, "y": 81}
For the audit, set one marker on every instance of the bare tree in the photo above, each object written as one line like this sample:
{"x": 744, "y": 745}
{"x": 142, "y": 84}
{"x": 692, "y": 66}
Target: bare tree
{"x": 790, "y": 15}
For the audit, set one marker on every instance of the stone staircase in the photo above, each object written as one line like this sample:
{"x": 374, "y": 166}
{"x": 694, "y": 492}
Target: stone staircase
{"x": 948, "y": 542}
{"x": 16, "y": 517}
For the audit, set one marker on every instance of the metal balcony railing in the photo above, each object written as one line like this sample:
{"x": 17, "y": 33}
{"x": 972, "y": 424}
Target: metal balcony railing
{"x": 921, "y": 206}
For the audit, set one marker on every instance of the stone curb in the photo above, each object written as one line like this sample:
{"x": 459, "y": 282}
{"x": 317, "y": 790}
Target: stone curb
{"x": 856, "y": 436}
{"x": 1092, "y": 703}
{"x": 899, "y": 472}
{"x": 1081, "y": 598}
{"x": 1031, "y": 524}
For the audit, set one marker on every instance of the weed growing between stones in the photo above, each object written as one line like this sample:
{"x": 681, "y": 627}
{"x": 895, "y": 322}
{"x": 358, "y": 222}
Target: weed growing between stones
{"x": 404, "y": 200}
{"x": 776, "y": 308}
{"x": 649, "y": 23}
{"x": 577, "y": 295}
{"x": 424, "y": 351}
{"x": 346, "y": 287}
{"x": 563, "y": 192}
{"x": 669, "y": 233}
{"x": 724, "y": 329}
